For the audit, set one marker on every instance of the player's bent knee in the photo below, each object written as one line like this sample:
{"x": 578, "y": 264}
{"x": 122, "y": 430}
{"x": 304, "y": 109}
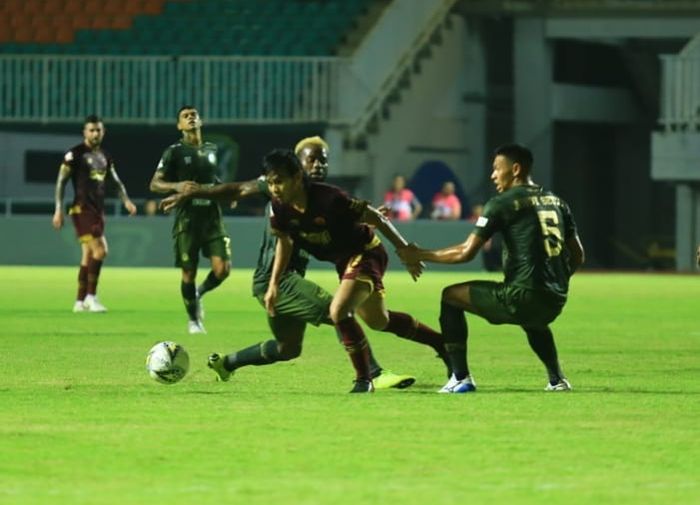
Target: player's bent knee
{"x": 377, "y": 323}
{"x": 288, "y": 352}
{"x": 222, "y": 271}
{"x": 339, "y": 313}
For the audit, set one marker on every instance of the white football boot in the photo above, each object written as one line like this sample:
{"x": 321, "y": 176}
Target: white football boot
{"x": 562, "y": 385}
{"x": 466, "y": 385}
{"x": 195, "y": 328}
{"x": 79, "y": 306}
{"x": 92, "y": 304}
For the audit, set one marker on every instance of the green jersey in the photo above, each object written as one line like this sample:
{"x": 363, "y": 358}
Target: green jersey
{"x": 185, "y": 162}
{"x": 535, "y": 225}
{"x": 297, "y": 263}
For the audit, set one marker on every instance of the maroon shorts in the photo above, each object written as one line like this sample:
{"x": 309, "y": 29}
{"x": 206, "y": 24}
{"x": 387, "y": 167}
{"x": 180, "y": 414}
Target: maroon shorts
{"x": 368, "y": 266}
{"x": 88, "y": 223}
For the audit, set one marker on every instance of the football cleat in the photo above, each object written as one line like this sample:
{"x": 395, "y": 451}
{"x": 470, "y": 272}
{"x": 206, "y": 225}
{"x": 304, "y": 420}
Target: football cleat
{"x": 92, "y": 304}
{"x": 387, "y": 379}
{"x": 466, "y": 385}
{"x": 362, "y": 386}
{"x": 79, "y": 306}
{"x": 561, "y": 385}
{"x": 216, "y": 363}
{"x": 195, "y": 327}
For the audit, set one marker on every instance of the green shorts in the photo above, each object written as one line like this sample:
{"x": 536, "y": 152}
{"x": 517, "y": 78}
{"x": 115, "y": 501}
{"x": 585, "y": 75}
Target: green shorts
{"x": 189, "y": 245}
{"x": 300, "y": 300}
{"x": 500, "y": 303}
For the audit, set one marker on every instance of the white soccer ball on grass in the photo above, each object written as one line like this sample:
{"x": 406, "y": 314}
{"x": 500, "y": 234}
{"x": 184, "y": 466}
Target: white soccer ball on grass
{"x": 167, "y": 362}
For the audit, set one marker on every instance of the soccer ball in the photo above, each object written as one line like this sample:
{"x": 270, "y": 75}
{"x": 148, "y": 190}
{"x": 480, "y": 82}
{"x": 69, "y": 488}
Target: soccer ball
{"x": 167, "y": 362}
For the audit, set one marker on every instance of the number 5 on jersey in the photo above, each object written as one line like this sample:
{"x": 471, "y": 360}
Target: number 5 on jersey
{"x": 553, "y": 240}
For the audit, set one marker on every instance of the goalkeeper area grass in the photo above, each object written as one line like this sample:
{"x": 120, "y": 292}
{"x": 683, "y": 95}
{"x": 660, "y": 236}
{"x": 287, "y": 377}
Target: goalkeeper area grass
{"x": 81, "y": 422}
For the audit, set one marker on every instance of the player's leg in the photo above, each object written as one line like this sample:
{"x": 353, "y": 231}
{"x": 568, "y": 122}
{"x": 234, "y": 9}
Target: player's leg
{"x": 186, "y": 257}
{"x": 541, "y": 341}
{"x": 287, "y": 345}
{"x": 218, "y": 251}
{"x": 455, "y": 300}
{"x": 307, "y": 301}
{"x": 374, "y": 312}
{"x": 351, "y": 294}
{"x": 82, "y": 278}
{"x": 97, "y": 251}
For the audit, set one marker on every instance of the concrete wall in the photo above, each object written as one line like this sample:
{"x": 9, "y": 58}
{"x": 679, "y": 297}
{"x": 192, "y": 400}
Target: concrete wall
{"x": 146, "y": 241}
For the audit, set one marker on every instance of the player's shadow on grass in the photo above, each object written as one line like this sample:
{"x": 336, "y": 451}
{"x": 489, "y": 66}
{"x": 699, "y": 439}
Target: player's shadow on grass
{"x": 433, "y": 388}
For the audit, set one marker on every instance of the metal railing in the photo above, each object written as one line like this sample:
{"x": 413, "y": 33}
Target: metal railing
{"x": 150, "y": 89}
{"x": 680, "y": 93}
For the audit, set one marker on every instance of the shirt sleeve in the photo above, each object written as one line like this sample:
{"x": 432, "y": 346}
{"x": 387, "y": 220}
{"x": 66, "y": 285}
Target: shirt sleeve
{"x": 570, "y": 230}
{"x": 69, "y": 159}
{"x": 346, "y": 207}
{"x": 278, "y": 216}
{"x": 263, "y": 187}
{"x": 165, "y": 165}
{"x": 489, "y": 222}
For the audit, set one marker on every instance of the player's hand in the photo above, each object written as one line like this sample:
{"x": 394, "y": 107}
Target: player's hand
{"x": 57, "y": 220}
{"x": 270, "y": 299}
{"x": 384, "y": 211}
{"x": 169, "y": 203}
{"x": 415, "y": 269}
{"x": 408, "y": 254}
{"x": 130, "y": 207}
{"x": 186, "y": 187}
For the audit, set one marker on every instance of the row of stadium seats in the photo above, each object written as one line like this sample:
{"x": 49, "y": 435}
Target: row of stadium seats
{"x": 173, "y": 27}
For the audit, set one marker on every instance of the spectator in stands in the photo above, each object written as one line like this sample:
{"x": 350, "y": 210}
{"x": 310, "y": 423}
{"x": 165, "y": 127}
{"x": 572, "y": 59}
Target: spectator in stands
{"x": 446, "y": 204}
{"x": 400, "y": 202}
{"x": 88, "y": 166}
{"x": 150, "y": 207}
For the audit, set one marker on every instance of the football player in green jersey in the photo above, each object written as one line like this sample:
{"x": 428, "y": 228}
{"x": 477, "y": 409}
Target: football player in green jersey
{"x": 198, "y": 227}
{"x": 300, "y": 301}
{"x": 542, "y": 250}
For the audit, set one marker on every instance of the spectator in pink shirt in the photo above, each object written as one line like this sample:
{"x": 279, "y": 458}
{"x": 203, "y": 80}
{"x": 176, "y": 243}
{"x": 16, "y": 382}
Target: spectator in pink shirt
{"x": 446, "y": 205}
{"x": 400, "y": 201}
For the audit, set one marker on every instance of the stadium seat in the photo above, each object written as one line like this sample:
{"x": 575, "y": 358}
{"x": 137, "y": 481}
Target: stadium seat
{"x": 217, "y": 27}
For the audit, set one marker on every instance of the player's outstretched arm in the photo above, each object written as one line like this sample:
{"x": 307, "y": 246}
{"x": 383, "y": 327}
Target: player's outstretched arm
{"x": 121, "y": 189}
{"x": 160, "y": 185}
{"x": 283, "y": 252}
{"x": 458, "y": 253}
{"x": 63, "y": 175}
{"x": 374, "y": 217}
{"x": 228, "y": 193}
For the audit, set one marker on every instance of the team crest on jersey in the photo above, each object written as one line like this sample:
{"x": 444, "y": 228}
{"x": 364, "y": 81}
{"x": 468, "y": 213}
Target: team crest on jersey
{"x": 320, "y": 221}
{"x": 212, "y": 158}
{"x": 482, "y": 221}
{"x": 188, "y": 160}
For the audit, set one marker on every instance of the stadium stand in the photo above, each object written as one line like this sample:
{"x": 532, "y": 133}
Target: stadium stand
{"x": 177, "y": 27}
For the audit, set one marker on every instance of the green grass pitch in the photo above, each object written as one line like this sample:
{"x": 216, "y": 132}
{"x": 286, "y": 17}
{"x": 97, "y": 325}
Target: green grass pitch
{"x": 82, "y": 423}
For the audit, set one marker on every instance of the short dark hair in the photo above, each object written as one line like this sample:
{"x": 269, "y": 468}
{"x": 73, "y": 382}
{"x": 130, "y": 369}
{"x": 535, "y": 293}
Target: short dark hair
{"x": 282, "y": 160}
{"x": 516, "y": 154}
{"x": 185, "y": 107}
{"x": 92, "y": 118}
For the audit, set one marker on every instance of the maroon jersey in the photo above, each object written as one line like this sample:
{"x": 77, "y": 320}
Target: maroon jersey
{"x": 329, "y": 229}
{"x": 88, "y": 172}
